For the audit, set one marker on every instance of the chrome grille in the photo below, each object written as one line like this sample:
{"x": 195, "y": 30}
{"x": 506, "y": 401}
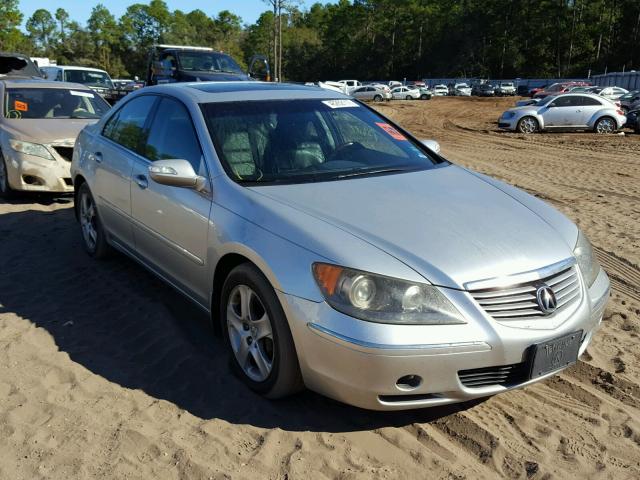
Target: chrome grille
{"x": 506, "y": 375}
{"x": 519, "y": 301}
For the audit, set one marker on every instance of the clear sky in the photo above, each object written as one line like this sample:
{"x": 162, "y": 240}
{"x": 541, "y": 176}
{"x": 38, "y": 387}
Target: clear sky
{"x": 80, "y": 10}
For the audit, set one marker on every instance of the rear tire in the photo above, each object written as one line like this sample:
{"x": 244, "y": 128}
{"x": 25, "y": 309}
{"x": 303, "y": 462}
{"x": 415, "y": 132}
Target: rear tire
{"x": 377, "y": 98}
{"x": 408, "y": 97}
{"x": 94, "y": 239}
{"x": 5, "y": 189}
{"x": 605, "y": 125}
{"x": 528, "y": 125}
{"x": 257, "y": 334}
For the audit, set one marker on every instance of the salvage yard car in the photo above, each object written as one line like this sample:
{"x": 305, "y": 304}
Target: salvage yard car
{"x": 569, "y": 111}
{"x": 371, "y": 93}
{"x": 334, "y": 249}
{"x": 38, "y": 128}
{"x": 94, "y": 78}
{"x": 405, "y": 93}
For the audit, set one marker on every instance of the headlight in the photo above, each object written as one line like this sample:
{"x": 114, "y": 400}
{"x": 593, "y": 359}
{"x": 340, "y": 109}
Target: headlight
{"x": 29, "y": 148}
{"x": 381, "y": 299}
{"x": 587, "y": 261}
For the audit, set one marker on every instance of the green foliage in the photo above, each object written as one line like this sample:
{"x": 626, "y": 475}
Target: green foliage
{"x": 365, "y": 39}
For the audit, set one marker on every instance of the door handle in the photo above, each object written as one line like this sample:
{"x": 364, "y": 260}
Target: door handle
{"x": 98, "y": 157}
{"x": 142, "y": 181}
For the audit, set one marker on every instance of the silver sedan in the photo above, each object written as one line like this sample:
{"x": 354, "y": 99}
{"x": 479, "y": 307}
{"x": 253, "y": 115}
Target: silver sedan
{"x": 569, "y": 111}
{"x": 334, "y": 250}
{"x": 369, "y": 92}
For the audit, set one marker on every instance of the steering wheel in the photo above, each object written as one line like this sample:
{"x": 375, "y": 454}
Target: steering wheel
{"x": 345, "y": 147}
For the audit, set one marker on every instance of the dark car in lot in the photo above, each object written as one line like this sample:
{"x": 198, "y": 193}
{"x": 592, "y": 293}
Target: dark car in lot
{"x": 633, "y": 120}
{"x": 483, "y": 90}
{"x": 176, "y": 63}
{"x": 629, "y": 101}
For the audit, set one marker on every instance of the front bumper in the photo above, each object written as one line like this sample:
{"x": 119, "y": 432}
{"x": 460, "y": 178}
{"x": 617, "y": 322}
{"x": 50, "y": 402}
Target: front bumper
{"x": 508, "y": 123}
{"x": 360, "y": 363}
{"x": 35, "y": 174}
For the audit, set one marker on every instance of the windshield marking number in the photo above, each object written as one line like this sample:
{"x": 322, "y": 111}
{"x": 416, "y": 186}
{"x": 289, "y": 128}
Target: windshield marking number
{"x": 21, "y": 106}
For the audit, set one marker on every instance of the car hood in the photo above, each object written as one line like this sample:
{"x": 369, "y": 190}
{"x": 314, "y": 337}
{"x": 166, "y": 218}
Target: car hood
{"x": 46, "y": 130}
{"x": 448, "y": 224}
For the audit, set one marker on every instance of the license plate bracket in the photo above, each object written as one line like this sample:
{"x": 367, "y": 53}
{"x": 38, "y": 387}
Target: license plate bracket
{"x": 555, "y": 354}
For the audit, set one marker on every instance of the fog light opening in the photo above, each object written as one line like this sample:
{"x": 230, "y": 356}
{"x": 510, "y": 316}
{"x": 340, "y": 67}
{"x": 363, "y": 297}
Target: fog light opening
{"x": 409, "y": 382}
{"x": 31, "y": 180}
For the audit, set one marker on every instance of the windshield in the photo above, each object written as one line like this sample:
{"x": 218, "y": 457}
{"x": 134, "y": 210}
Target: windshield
{"x": 208, "y": 62}
{"x": 37, "y": 103}
{"x": 297, "y": 141}
{"x": 88, "y": 78}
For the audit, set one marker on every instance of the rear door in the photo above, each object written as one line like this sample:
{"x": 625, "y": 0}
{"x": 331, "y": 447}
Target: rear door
{"x": 171, "y": 223}
{"x": 114, "y": 151}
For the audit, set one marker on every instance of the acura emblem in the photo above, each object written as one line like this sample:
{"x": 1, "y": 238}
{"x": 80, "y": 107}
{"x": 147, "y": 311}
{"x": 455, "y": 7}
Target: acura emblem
{"x": 546, "y": 299}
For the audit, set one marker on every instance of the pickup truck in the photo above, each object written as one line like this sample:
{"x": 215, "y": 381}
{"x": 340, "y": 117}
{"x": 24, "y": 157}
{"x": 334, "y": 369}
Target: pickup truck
{"x": 178, "y": 63}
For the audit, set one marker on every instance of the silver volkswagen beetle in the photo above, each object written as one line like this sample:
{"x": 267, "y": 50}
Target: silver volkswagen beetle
{"x": 333, "y": 249}
{"x": 569, "y": 111}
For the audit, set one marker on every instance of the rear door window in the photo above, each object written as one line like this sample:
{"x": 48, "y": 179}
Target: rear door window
{"x": 126, "y": 127}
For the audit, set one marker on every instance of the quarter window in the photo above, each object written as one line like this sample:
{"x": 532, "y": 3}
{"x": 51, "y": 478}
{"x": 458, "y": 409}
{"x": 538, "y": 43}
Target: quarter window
{"x": 567, "y": 101}
{"x": 589, "y": 102}
{"x": 172, "y": 136}
{"x": 126, "y": 127}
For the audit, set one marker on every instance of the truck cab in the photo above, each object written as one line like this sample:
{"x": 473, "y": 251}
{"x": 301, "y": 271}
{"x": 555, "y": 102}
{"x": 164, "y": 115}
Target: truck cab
{"x": 176, "y": 63}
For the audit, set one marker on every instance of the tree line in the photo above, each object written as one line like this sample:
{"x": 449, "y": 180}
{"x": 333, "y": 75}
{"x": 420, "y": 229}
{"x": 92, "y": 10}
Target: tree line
{"x": 363, "y": 39}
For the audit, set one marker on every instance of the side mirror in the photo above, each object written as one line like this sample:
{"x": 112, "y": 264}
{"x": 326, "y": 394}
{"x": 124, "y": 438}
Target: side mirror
{"x": 176, "y": 173}
{"x": 259, "y": 68}
{"x": 431, "y": 145}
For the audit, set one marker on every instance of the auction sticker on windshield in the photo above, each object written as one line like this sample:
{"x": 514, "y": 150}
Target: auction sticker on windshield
{"x": 21, "y": 106}
{"x": 393, "y": 133}
{"x": 340, "y": 103}
{"x": 81, "y": 94}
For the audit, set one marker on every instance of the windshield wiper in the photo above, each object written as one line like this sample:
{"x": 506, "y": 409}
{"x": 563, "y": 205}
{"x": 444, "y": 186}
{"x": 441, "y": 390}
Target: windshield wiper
{"x": 361, "y": 173}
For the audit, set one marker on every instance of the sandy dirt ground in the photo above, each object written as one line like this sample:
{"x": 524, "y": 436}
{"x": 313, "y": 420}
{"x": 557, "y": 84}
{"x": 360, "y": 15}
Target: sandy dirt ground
{"x": 107, "y": 373}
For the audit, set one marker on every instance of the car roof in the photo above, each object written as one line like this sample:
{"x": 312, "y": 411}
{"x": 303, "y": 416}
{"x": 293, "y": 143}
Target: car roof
{"x": 207, "y": 92}
{"x": 38, "y": 83}
{"x": 74, "y": 67}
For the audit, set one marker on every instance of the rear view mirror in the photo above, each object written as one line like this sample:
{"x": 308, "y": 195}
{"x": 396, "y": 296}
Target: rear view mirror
{"x": 431, "y": 145}
{"x": 259, "y": 68}
{"x": 175, "y": 173}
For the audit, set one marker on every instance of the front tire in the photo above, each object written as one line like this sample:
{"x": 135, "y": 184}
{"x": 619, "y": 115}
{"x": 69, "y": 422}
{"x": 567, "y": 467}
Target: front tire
{"x": 94, "y": 239}
{"x": 528, "y": 125}
{"x": 605, "y": 125}
{"x": 5, "y": 189}
{"x": 257, "y": 334}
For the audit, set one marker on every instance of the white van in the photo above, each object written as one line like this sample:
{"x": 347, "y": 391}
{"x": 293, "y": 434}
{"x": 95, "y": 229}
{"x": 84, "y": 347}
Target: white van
{"x": 94, "y": 78}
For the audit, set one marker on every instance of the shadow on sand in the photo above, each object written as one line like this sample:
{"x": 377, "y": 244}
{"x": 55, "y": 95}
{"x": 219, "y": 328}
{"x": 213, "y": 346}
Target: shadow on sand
{"x": 120, "y": 322}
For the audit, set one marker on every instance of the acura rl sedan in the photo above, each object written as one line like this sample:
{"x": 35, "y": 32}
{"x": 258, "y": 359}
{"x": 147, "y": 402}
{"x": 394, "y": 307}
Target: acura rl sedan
{"x": 567, "y": 111}
{"x": 38, "y": 128}
{"x": 333, "y": 249}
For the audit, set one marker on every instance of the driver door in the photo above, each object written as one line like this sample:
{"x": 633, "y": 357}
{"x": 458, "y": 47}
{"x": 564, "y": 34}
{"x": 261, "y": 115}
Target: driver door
{"x": 171, "y": 223}
{"x": 564, "y": 111}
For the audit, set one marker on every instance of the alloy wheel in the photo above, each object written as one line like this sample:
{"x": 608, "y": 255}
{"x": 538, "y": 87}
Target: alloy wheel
{"x": 528, "y": 125}
{"x": 250, "y": 333}
{"x": 605, "y": 125}
{"x": 88, "y": 221}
